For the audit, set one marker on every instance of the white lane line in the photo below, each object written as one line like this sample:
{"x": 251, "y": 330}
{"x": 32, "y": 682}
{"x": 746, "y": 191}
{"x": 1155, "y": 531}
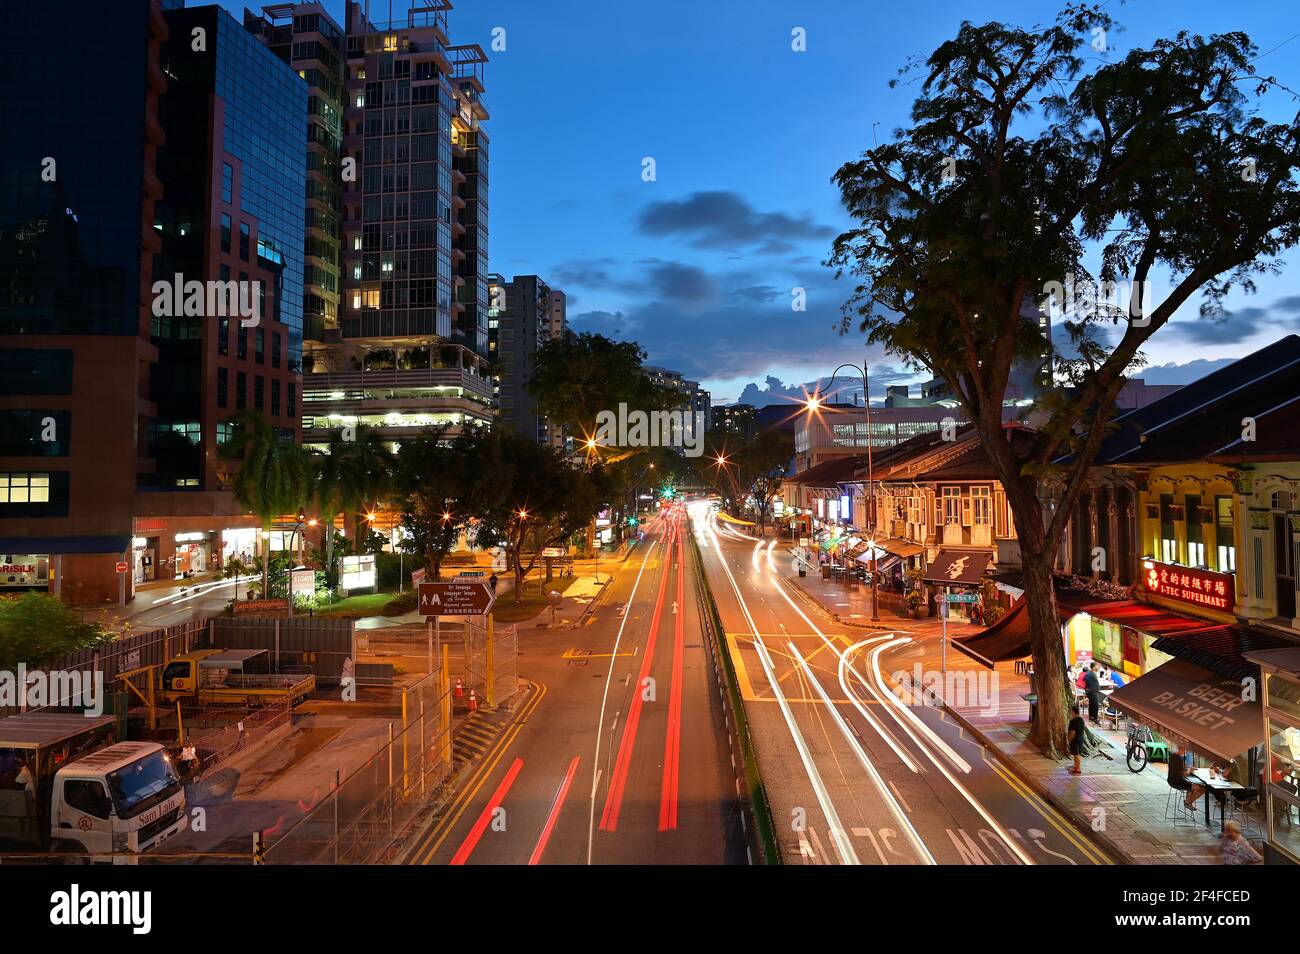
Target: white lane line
{"x": 913, "y": 837}
{"x": 604, "y": 699}
{"x": 838, "y": 832}
{"x": 974, "y": 802}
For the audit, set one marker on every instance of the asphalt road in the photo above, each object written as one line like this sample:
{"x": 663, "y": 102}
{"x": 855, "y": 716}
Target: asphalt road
{"x": 854, "y": 773}
{"x": 619, "y": 753}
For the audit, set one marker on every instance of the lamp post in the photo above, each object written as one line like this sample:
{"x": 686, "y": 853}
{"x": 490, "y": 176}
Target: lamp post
{"x": 812, "y": 404}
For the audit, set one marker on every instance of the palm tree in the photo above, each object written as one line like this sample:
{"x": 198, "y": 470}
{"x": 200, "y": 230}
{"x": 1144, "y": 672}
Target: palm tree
{"x": 274, "y": 475}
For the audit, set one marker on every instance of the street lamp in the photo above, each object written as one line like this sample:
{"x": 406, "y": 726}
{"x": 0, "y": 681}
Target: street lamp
{"x": 813, "y": 403}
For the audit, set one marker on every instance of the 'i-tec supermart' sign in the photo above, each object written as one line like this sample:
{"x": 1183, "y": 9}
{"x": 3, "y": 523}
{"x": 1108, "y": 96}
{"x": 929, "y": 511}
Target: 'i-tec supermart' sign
{"x": 1200, "y": 587}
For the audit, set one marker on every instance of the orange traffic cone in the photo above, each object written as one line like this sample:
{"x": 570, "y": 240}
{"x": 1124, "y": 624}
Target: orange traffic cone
{"x": 473, "y": 701}
{"x": 460, "y": 688}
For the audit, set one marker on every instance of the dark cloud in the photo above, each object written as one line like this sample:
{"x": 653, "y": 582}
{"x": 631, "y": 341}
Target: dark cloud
{"x": 724, "y": 219}
{"x": 681, "y": 284}
{"x": 1234, "y": 326}
{"x": 611, "y": 324}
{"x": 1290, "y": 303}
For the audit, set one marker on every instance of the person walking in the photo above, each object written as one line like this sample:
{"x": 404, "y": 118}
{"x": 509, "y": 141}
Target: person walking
{"x": 1075, "y": 733}
{"x": 1092, "y": 688}
{"x": 493, "y": 580}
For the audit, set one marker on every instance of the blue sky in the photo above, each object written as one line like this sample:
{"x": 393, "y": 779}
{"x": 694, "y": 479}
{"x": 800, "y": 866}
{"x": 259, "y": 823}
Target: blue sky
{"x": 699, "y": 264}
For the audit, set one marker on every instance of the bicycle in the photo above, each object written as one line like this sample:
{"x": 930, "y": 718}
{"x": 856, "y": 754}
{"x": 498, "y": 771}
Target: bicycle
{"x": 1136, "y": 752}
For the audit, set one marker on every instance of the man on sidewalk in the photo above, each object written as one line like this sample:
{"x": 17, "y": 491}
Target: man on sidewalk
{"x": 1092, "y": 687}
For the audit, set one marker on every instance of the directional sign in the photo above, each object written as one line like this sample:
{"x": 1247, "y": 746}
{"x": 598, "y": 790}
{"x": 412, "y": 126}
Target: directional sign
{"x": 552, "y": 552}
{"x": 960, "y": 598}
{"x": 455, "y": 598}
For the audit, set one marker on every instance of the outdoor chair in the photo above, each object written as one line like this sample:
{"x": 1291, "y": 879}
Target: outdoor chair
{"x": 1176, "y": 809}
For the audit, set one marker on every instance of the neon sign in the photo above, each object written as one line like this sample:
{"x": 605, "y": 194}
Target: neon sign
{"x": 1188, "y": 585}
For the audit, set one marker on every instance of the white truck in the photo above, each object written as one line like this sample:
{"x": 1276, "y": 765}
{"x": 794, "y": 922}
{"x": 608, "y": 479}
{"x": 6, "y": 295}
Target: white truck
{"x": 67, "y": 786}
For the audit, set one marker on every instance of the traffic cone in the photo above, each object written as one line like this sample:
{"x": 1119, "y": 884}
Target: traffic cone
{"x": 473, "y": 701}
{"x": 460, "y": 688}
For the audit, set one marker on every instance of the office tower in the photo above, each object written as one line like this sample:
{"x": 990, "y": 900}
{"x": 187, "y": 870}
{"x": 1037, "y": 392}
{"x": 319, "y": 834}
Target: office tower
{"x": 524, "y": 313}
{"x": 304, "y": 36}
{"x": 410, "y": 349}
{"x": 180, "y": 173}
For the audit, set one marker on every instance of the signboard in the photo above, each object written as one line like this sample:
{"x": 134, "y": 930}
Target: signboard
{"x": 959, "y": 598}
{"x": 1198, "y": 587}
{"x": 121, "y": 566}
{"x": 417, "y": 576}
{"x": 552, "y": 551}
{"x": 302, "y": 582}
{"x": 470, "y": 573}
{"x": 357, "y": 572}
{"x": 455, "y": 598}
{"x": 249, "y": 607}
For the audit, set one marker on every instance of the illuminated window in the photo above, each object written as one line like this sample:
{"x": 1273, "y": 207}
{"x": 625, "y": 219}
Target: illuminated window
{"x": 982, "y": 505}
{"x": 24, "y": 488}
{"x": 390, "y": 43}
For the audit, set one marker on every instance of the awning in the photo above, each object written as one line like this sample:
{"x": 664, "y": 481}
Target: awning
{"x": 1190, "y": 702}
{"x": 1005, "y": 640}
{"x": 1222, "y": 649}
{"x": 958, "y": 567}
{"x": 903, "y": 548}
{"x": 883, "y": 563}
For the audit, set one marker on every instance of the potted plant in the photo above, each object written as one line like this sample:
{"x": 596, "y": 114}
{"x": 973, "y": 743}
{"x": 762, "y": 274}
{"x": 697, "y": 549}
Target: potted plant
{"x": 914, "y": 600}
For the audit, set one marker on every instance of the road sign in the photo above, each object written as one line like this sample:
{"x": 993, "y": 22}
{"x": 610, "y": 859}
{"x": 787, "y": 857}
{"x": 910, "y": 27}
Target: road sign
{"x": 959, "y": 598}
{"x": 455, "y": 598}
{"x": 552, "y": 551}
{"x": 417, "y": 576}
{"x": 121, "y": 566}
{"x": 470, "y": 573}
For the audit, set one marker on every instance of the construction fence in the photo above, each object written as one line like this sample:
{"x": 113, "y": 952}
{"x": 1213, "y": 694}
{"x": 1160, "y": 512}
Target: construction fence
{"x": 491, "y": 660}
{"x": 365, "y": 815}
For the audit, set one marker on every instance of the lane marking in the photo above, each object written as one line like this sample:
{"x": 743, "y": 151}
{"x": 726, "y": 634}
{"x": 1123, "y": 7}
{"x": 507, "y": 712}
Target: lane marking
{"x": 556, "y": 804}
{"x": 623, "y": 764}
{"x": 604, "y": 700}
{"x": 438, "y": 833}
{"x": 471, "y": 840}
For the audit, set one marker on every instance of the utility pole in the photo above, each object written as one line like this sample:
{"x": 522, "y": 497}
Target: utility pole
{"x": 871, "y": 499}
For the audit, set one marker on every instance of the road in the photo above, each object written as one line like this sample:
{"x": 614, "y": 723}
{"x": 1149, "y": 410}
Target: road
{"x": 619, "y": 753}
{"x": 855, "y": 771}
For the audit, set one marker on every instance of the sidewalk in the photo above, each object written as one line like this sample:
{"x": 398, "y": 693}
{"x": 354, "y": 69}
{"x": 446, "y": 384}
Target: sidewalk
{"x": 1124, "y": 810}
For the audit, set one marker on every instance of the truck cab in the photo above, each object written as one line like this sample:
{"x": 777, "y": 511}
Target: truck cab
{"x": 86, "y": 793}
{"x": 126, "y": 797}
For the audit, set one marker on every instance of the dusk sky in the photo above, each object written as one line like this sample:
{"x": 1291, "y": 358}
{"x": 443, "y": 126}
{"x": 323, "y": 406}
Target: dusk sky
{"x": 699, "y": 265}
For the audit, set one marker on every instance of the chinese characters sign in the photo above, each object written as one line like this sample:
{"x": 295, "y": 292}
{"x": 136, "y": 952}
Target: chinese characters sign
{"x": 1201, "y": 587}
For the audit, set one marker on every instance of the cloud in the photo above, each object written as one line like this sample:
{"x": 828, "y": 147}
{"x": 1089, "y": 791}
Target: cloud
{"x": 681, "y": 284}
{"x": 1174, "y": 373}
{"x": 845, "y": 389}
{"x": 611, "y": 324}
{"x": 1234, "y": 326}
{"x": 723, "y": 219}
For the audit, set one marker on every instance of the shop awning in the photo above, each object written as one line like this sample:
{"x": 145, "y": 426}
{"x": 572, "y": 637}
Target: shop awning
{"x": 903, "y": 548}
{"x": 1187, "y": 701}
{"x": 1222, "y": 649}
{"x": 883, "y": 563}
{"x": 958, "y": 567}
{"x": 1005, "y": 640}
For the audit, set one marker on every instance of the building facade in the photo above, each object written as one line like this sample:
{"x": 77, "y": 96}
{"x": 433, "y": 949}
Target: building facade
{"x": 523, "y": 315}
{"x": 410, "y": 348}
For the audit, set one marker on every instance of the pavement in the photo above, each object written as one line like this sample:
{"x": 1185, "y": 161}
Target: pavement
{"x": 1124, "y": 810}
{"x": 618, "y": 754}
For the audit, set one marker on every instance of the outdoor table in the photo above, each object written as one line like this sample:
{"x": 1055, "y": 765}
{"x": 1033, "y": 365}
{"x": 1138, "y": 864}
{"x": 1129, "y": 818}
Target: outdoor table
{"x": 1215, "y": 785}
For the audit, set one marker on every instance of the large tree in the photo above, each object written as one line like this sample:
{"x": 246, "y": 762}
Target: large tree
{"x": 544, "y": 500}
{"x": 442, "y": 491}
{"x": 38, "y": 629}
{"x": 1020, "y": 166}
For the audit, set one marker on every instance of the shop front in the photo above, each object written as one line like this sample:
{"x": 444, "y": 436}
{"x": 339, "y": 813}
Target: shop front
{"x": 24, "y": 571}
{"x": 957, "y": 571}
{"x": 1281, "y": 700}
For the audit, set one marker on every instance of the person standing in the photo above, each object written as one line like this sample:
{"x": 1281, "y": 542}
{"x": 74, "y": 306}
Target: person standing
{"x": 1092, "y": 688}
{"x": 1074, "y": 736}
